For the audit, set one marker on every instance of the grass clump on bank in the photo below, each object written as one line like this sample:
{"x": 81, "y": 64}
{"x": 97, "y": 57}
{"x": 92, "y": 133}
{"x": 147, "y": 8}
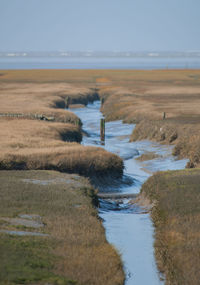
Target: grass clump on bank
{"x": 147, "y": 156}
{"x": 74, "y": 251}
{"x": 87, "y": 161}
{"x": 28, "y": 145}
{"x": 176, "y": 211}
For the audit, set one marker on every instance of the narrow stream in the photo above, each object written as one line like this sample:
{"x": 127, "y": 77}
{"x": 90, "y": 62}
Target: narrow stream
{"x": 128, "y": 227}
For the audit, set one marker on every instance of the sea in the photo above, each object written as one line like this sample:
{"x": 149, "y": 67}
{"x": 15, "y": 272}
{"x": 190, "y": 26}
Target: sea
{"x": 57, "y": 62}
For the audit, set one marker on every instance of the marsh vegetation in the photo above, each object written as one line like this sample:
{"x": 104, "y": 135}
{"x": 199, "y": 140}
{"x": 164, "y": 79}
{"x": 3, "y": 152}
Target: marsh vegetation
{"x": 176, "y": 211}
{"x": 140, "y": 97}
{"x": 41, "y": 144}
{"x": 74, "y": 250}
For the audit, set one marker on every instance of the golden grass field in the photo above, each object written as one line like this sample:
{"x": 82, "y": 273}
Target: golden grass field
{"x": 140, "y": 96}
{"x": 34, "y": 144}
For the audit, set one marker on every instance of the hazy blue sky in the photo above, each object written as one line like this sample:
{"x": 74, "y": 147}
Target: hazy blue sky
{"x": 43, "y": 25}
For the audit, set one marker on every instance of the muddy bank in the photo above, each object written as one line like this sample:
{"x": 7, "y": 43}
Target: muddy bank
{"x": 175, "y": 213}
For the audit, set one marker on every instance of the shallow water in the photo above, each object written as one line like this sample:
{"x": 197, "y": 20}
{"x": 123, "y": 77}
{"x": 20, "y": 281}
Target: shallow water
{"x": 127, "y": 226}
{"x": 49, "y": 62}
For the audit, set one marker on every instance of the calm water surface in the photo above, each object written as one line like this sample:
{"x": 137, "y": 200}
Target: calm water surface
{"x": 98, "y": 63}
{"x": 127, "y": 226}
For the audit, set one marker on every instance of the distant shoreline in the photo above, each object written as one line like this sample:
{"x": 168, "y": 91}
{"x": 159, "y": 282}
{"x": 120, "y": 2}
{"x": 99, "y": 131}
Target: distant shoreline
{"x": 110, "y": 63}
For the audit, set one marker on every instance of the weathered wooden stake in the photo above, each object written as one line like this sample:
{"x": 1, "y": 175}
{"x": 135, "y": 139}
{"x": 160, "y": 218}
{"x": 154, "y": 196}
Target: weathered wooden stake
{"x": 78, "y": 123}
{"x": 67, "y": 102}
{"x": 164, "y": 116}
{"x": 102, "y": 130}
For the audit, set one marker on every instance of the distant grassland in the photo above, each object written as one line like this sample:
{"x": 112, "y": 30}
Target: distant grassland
{"x": 176, "y": 216}
{"x": 140, "y": 96}
{"x": 75, "y": 250}
{"x": 37, "y": 144}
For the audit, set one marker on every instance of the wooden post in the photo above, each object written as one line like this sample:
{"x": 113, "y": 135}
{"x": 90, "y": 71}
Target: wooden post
{"x": 102, "y": 130}
{"x": 102, "y": 101}
{"x": 164, "y": 116}
{"x": 78, "y": 123}
{"x": 67, "y": 102}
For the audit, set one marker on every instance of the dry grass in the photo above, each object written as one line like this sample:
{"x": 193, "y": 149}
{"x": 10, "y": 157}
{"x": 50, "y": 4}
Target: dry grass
{"x": 76, "y": 252}
{"x": 132, "y": 95}
{"x": 28, "y": 144}
{"x": 24, "y": 133}
{"x": 147, "y": 87}
{"x": 185, "y": 135}
{"x": 147, "y": 156}
{"x": 176, "y": 214}
{"x": 31, "y": 144}
{"x": 143, "y": 96}
{"x": 42, "y": 98}
{"x": 174, "y": 92}
{"x": 76, "y": 248}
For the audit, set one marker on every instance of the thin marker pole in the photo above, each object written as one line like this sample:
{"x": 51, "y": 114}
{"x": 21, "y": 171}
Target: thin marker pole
{"x": 102, "y": 125}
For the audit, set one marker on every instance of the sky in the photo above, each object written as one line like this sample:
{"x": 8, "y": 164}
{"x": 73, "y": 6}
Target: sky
{"x": 99, "y": 25}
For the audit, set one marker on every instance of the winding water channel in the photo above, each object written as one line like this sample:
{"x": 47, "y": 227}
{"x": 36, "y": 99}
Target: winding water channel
{"x": 128, "y": 227}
